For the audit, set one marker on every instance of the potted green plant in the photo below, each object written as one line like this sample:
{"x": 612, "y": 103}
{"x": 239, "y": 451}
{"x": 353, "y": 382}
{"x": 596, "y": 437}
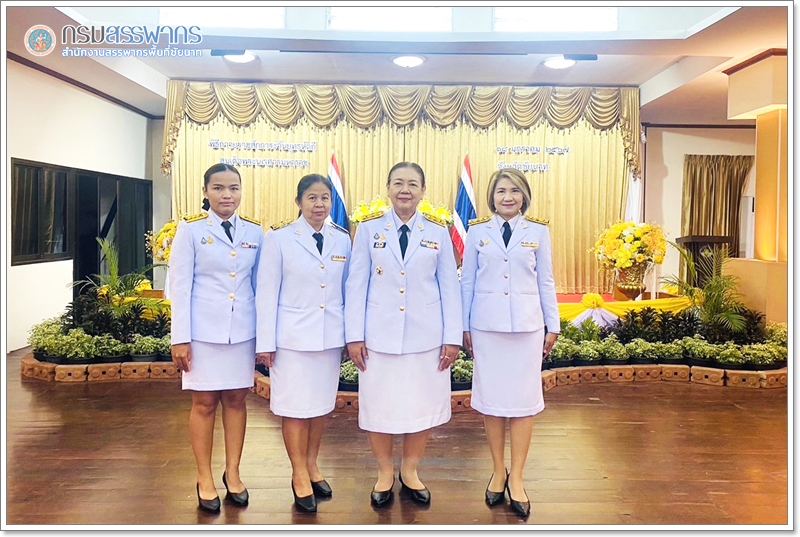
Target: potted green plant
{"x": 777, "y": 333}
{"x": 759, "y": 356}
{"x": 79, "y": 347}
{"x": 40, "y": 333}
{"x": 588, "y": 353}
{"x": 697, "y": 351}
{"x": 110, "y": 350}
{"x": 563, "y": 353}
{"x": 640, "y": 352}
{"x": 612, "y": 352}
{"x": 145, "y": 348}
{"x": 461, "y": 372}
{"x": 730, "y": 357}
{"x": 348, "y": 377}
{"x": 54, "y": 346}
{"x": 668, "y": 353}
{"x": 165, "y": 348}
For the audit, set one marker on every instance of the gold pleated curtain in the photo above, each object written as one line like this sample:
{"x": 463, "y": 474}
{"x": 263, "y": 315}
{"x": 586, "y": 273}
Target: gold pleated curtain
{"x": 712, "y": 192}
{"x": 370, "y": 128}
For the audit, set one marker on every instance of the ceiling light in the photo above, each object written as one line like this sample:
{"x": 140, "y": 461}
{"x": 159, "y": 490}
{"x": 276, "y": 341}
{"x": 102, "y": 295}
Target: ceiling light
{"x": 558, "y": 62}
{"x": 245, "y": 57}
{"x": 409, "y": 61}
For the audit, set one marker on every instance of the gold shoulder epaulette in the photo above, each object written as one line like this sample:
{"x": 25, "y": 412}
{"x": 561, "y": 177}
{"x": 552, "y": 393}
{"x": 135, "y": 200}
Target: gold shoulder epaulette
{"x": 195, "y": 217}
{"x": 251, "y": 220}
{"x": 334, "y": 225}
{"x": 281, "y": 224}
{"x": 435, "y": 219}
{"x": 479, "y": 220}
{"x": 537, "y": 220}
{"x": 372, "y": 216}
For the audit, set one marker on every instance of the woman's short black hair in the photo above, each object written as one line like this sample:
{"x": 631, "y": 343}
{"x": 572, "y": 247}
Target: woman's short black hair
{"x": 413, "y": 165}
{"x": 216, "y": 168}
{"x": 311, "y": 179}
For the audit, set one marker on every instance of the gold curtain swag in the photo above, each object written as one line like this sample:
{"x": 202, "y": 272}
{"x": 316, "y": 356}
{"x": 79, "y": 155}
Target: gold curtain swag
{"x": 712, "y": 192}
{"x": 367, "y": 106}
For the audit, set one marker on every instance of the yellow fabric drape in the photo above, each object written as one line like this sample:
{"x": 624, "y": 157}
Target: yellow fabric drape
{"x": 570, "y": 311}
{"x": 372, "y": 127}
{"x": 712, "y": 192}
{"x": 366, "y": 106}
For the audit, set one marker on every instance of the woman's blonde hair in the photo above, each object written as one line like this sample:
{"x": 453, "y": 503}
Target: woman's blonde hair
{"x": 516, "y": 177}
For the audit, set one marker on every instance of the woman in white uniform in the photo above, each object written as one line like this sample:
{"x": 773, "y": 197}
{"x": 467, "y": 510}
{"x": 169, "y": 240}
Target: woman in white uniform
{"x": 403, "y": 327}
{"x": 300, "y": 305}
{"x": 212, "y": 282}
{"x": 508, "y": 297}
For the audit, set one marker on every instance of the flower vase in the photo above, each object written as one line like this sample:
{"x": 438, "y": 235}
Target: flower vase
{"x": 630, "y": 281}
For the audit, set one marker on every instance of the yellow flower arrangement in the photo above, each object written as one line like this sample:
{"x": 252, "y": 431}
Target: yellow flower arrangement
{"x": 592, "y": 300}
{"x": 364, "y": 209}
{"x": 626, "y": 244}
{"x": 160, "y": 244}
{"x": 379, "y": 206}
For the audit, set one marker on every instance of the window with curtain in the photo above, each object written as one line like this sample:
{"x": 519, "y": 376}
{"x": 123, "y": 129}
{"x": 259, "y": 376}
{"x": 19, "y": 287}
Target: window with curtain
{"x": 40, "y": 219}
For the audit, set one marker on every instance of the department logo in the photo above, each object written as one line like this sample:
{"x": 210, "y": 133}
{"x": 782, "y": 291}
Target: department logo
{"x": 40, "y": 40}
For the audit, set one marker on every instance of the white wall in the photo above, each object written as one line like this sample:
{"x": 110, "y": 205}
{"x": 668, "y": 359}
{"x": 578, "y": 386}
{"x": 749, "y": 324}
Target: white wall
{"x": 162, "y": 188}
{"x": 664, "y": 153}
{"x": 53, "y": 122}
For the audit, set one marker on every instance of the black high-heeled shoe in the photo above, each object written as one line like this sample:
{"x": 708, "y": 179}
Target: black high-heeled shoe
{"x": 321, "y": 489}
{"x": 522, "y": 509}
{"x": 381, "y": 498}
{"x": 420, "y": 496}
{"x": 307, "y": 504}
{"x": 495, "y": 498}
{"x": 212, "y": 506}
{"x": 239, "y": 498}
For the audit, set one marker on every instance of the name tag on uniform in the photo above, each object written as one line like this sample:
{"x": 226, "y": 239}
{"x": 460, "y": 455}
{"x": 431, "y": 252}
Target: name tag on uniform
{"x": 379, "y": 245}
{"x": 339, "y": 258}
{"x": 429, "y": 244}
{"x": 249, "y": 245}
{"x": 530, "y": 244}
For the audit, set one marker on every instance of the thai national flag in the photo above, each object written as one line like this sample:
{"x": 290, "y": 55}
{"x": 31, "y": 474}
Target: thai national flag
{"x": 465, "y": 208}
{"x": 338, "y": 210}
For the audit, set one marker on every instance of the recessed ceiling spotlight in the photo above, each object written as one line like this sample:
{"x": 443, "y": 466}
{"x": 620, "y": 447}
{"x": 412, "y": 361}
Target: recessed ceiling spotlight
{"x": 558, "y": 62}
{"x": 245, "y": 57}
{"x": 409, "y": 61}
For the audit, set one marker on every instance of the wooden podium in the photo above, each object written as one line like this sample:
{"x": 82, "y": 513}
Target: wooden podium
{"x": 696, "y": 245}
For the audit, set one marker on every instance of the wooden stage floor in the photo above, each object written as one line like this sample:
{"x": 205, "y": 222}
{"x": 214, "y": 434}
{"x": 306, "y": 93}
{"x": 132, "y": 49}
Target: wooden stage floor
{"x": 655, "y": 453}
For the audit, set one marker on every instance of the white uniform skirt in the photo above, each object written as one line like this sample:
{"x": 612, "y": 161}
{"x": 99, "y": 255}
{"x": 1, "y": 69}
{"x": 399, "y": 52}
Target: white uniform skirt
{"x": 220, "y": 366}
{"x": 304, "y": 384}
{"x": 507, "y": 374}
{"x": 403, "y": 393}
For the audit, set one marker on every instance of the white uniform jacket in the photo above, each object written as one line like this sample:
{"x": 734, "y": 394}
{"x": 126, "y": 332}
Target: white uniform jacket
{"x": 401, "y": 306}
{"x": 300, "y": 296}
{"x": 212, "y": 280}
{"x": 508, "y": 288}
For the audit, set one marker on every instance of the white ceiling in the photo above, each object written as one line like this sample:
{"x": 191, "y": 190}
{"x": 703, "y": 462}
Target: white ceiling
{"x": 676, "y": 55}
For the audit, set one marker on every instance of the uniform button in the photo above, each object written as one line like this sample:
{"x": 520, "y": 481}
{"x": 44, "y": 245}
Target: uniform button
{"x": 322, "y": 285}
{"x": 402, "y": 290}
{"x": 322, "y": 306}
{"x": 505, "y": 259}
{"x": 402, "y": 308}
{"x": 322, "y": 267}
{"x": 402, "y": 272}
{"x": 505, "y": 292}
{"x": 505, "y": 276}
{"x": 233, "y": 274}
{"x": 233, "y": 253}
{"x": 230, "y": 295}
